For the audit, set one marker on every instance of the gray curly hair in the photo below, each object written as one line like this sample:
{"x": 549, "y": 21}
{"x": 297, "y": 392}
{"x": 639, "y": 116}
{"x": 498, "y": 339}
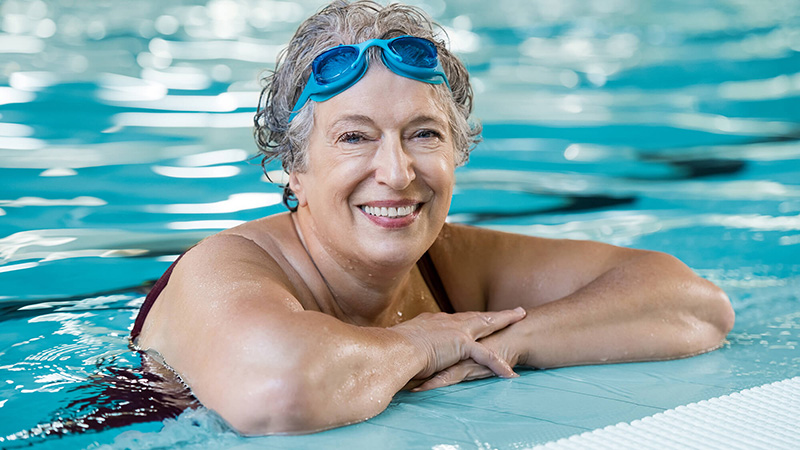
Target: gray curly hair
{"x": 344, "y": 23}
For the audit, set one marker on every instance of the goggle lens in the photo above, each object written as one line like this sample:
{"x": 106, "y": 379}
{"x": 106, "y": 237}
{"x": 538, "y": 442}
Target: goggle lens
{"x": 330, "y": 65}
{"x": 415, "y": 51}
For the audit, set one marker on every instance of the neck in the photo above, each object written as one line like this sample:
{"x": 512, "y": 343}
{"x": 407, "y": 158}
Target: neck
{"x": 361, "y": 292}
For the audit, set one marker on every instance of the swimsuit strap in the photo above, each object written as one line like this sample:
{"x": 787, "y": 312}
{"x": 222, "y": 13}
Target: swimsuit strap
{"x": 151, "y": 299}
{"x": 434, "y": 282}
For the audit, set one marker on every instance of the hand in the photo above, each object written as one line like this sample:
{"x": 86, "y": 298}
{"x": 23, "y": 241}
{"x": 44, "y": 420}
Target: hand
{"x": 447, "y": 339}
{"x": 467, "y": 370}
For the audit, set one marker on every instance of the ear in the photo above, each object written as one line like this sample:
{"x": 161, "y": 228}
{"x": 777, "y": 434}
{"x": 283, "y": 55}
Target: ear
{"x": 296, "y": 185}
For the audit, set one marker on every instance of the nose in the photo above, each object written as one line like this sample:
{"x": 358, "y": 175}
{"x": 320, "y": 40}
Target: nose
{"x": 394, "y": 167}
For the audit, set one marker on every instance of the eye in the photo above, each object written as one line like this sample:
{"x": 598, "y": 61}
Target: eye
{"x": 428, "y": 134}
{"x": 352, "y": 137}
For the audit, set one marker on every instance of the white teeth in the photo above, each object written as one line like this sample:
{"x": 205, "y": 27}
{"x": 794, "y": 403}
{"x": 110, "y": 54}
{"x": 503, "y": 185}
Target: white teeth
{"x": 391, "y": 212}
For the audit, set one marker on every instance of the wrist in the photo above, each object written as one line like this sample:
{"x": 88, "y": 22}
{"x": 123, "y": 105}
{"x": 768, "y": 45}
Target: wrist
{"x": 512, "y": 343}
{"x": 412, "y": 349}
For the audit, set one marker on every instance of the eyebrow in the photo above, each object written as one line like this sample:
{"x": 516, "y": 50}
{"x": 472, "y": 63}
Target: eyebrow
{"x": 425, "y": 119}
{"x": 362, "y": 119}
{"x": 350, "y": 119}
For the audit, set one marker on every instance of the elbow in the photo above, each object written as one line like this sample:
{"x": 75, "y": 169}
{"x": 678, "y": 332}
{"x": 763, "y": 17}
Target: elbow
{"x": 714, "y": 315}
{"x": 723, "y": 316}
{"x": 705, "y": 311}
{"x": 279, "y": 405}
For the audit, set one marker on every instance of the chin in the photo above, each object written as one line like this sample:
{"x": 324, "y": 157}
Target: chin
{"x": 394, "y": 253}
{"x": 400, "y": 241}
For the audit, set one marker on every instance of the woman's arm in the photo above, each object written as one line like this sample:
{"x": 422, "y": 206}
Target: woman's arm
{"x": 587, "y": 302}
{"x": 229, "y": 323}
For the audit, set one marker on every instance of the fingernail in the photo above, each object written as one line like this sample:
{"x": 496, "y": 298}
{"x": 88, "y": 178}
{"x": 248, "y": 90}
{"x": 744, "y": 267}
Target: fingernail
{"x": 519, "y": 309}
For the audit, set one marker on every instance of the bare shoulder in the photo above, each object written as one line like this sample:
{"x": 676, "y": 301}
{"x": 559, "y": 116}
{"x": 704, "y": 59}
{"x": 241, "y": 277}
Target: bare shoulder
{"x": 230, "y": 284}
{"x": 222, "y": 279}
{"x": 485, "y": 242}
{"x": 482, "y": 267}
{"x": 230, "y": 265}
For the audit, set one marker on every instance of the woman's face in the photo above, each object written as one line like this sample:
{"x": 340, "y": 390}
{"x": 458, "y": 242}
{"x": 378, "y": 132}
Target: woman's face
{"x": 379, "y": 177}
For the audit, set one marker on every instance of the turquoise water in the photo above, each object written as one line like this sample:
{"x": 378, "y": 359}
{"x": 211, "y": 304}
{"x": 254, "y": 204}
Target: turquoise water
{"x": 125, "y": 138}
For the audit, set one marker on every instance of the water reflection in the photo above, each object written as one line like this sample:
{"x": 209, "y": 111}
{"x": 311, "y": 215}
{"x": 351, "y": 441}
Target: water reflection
{"x": 183, "y": 120}
{"x": 124, "y": 137}
{"x": 197, "y": 172}
{"x": 236, "y": 202}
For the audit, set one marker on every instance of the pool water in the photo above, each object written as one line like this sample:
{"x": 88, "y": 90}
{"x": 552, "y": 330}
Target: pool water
{"x": 125, "y": 137}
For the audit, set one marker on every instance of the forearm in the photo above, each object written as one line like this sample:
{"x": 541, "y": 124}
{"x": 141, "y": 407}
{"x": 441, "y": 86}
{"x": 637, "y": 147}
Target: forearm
{"x": 353, "y": 377}
{"x": 342, "y": 374}
{"x": 651, "y": 307}
{"x": 294, "y": 372}
{"x": 321, "y": 373}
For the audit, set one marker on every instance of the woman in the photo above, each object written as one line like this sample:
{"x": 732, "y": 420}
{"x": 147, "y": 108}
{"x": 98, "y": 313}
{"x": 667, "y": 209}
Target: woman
{"x": 315, "y": 318}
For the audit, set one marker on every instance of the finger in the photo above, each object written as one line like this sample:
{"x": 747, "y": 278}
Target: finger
{"x": 464, "y": 371}
{"x": 491, "y": 360}
{"x": 485, "y": 323}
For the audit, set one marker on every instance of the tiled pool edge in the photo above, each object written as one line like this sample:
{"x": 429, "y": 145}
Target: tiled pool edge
{"x": 761, "y": 417}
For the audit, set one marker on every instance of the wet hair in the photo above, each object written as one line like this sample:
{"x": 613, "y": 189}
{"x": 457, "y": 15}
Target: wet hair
{"x": 344, "y": 23}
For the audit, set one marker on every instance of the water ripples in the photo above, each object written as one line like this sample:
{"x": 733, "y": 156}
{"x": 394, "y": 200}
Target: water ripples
{"x": 124, "y": 140}
{"x": 76, "y": 354}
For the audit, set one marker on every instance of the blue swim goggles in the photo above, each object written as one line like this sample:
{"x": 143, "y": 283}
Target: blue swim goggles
{"x": 337, "y": 69}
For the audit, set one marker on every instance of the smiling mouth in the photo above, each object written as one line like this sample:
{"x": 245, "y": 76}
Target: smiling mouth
{"x": 391, "y": 212}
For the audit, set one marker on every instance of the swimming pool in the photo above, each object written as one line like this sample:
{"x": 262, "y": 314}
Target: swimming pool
{"x": 125, "y": 138}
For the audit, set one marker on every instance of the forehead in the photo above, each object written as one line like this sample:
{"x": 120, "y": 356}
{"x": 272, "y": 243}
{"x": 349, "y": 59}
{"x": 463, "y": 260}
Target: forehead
{"x": 384, "y": 98}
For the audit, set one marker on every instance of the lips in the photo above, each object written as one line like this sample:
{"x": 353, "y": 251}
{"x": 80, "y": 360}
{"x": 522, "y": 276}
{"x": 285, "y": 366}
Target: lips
{"x": 391, "y": 214}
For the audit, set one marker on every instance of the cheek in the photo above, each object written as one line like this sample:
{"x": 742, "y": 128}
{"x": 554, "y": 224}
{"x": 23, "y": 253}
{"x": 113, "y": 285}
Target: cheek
{"x": 441, "y": 165}
{"x": 439, "y": 174}
{"x": 330, "y": 183}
